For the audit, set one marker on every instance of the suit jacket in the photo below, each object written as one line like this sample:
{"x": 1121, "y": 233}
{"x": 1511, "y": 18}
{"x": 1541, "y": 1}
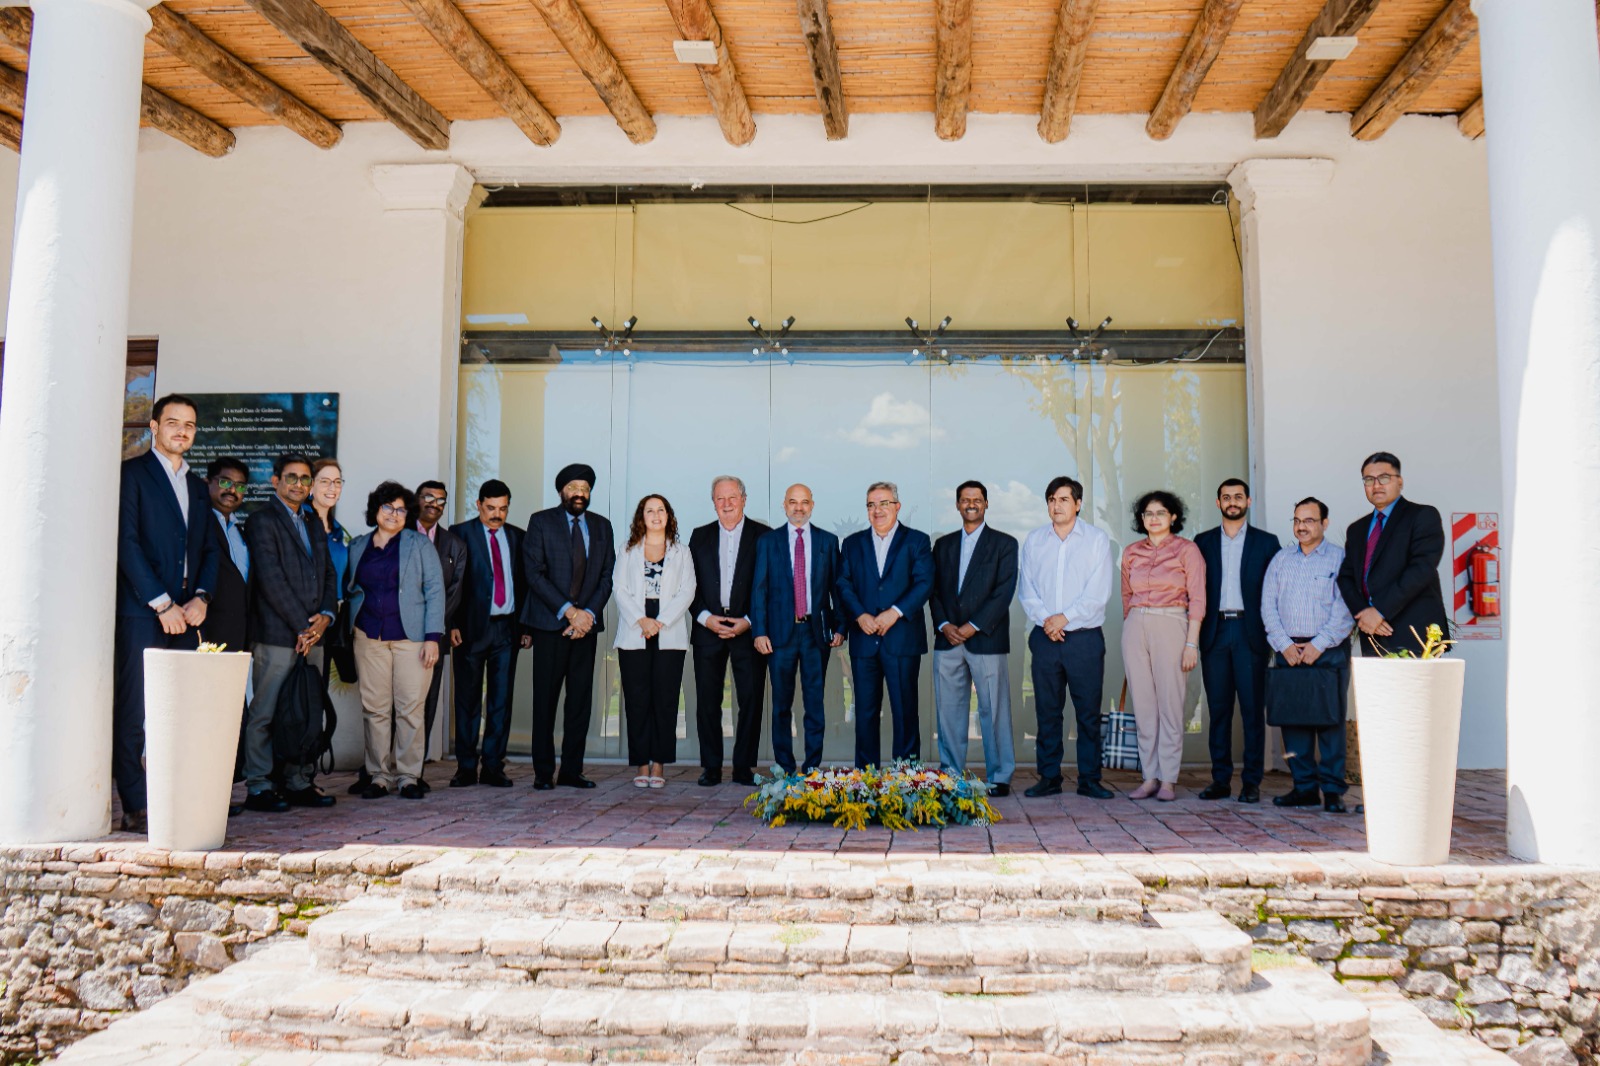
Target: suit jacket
{"x": 984, "y": 599}
{"x": 772, "y": 598}
{"x": 705, "y": 548}
{"x": 158, "y": 554}
{"x": 1259, "y": 548}
{"x": 420, "y": 591}
{"x": 1403, "y": 583}
{"x": 287, "y": 585}
{"x": 547, "y": 568}
{"x": 228, "y": 616}
{"x": 906, "y": 582}
{"x": 477, "y": 580}
{"x": 453, "y": 565}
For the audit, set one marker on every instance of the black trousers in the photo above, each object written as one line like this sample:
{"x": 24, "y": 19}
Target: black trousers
{"x": 492, "y": 658}
{"x": 561, "y": 662}
{"x": 1233, "y": 671}
{"x": 652, "y": 678}
{"x": 749, "y": 691}
{"x": 134, "y": 633}
{"x": 430, "y": 702}
{"x": 1074, "y": 666}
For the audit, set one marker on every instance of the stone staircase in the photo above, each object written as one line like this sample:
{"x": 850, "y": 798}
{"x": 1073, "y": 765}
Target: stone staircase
{"x": 632, "y": 957}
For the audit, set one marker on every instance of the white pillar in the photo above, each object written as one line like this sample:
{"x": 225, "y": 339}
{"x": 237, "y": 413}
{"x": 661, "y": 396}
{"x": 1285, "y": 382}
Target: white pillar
{"x": 1541, "y": 78}
{"x": 60, "y": 426}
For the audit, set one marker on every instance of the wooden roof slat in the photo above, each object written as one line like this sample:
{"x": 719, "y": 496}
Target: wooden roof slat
{"x": 598, "y": 64}
{"x": 1067, "y": 53}
{"x": 1338, "y": 18}
{"x": 1427, "y": 58}
{"x": 326, "y": 40}
{"x": 13, "y": 88}
{"x": 11, "y": 131}
{"x": 1199, "y": 53}
{"x": 953, "y": 87}
{"x": 184, "y": 123}
{"x": 444, "y": 20}
{"x": 816, "y": 25}
{"x": 1470, "y": 121}
{"x": 697, "y": 22}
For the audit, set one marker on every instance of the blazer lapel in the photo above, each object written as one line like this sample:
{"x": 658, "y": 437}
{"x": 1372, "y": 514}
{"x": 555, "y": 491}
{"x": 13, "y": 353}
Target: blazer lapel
{"x": 895, "y": 544}
{"x": 164, "y": 484}
{"x": 1396, "y": 513}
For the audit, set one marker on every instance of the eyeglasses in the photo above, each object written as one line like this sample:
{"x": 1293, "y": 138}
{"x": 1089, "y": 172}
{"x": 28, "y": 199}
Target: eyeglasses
{"x": 295, "y": 479}
{"x": 393, "y": 511}
{"x": 336, "y": 482}
{"x": 1382, "y": 479}
{"x": 1307, "y": 521}
{"x": 431, "y": 499}
{"x": 227, "y": 484}
{"x": 1147, "y": 515}
{"x": 884, "y": 506}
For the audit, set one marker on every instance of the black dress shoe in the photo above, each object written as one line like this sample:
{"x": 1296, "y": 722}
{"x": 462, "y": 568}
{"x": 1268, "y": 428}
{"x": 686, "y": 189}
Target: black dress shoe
{"x": 267, "y": 801}
{"x": 422, "y": 783}
{"x": 1334, "y": 804}
{"x": 543, "y": 784}
{"x": 709, "y": 778}
{"x": 1297, "y": 799}
{"x": 310, "y": 796}
{"x": 1217, "y": 790}
{"x": 413, "y": 791}
{"x": 361, "y": 783}
{"x": 135, "y": 822}
{"x": 574, "y": 781}
{"x": 374, "y": 791}
{"x": 1047, "y": 786}
{"x": 235, "y": 809}
{"x": 1094, "y": 790}
{"x": 1249, "y": 794}
{"x": 745, "y": 777}
{"x": 465, "y": 779}
{"x": 494, "y": 778}
{"x": 1000, "y": 788}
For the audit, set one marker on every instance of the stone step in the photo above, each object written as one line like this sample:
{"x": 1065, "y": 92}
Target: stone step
{"x": 1197, "y": 951}
{"x": 1404, "y": 1036}
{"x": 772, "y": 888}
{"x": 278, "y": 999}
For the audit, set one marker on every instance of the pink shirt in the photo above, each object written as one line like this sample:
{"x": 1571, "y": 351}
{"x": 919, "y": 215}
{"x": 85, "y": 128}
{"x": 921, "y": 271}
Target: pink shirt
{"x": 1171, "y": 575}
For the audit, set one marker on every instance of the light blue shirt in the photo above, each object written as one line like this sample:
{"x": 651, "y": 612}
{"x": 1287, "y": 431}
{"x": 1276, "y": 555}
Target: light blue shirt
{"x": 297, "y": 519}
{"x": 1300, "y": 597}
{"x": 583, "y": 527}
{"x": 1232, "y": 598}
{"x": 789, "y": 531}
{"x": 504, "y": 543}
{"x": 236, "y": 545}
{"x": 1068, "y": 575}
{"x": 1380, "y": 511}
{"x": 969, "y": 544}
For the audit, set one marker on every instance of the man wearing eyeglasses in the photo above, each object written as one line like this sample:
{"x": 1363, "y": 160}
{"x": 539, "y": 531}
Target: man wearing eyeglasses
{"x": 294, "y": 597}
{"x": 1390, "y": 575}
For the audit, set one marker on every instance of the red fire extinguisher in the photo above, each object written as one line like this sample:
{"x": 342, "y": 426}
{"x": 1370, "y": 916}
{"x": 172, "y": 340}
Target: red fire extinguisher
{"x": 1485, "y": 583}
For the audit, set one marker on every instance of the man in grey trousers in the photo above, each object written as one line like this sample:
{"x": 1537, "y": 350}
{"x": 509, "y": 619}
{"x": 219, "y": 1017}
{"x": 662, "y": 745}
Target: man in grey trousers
{"x": 975, "y": 576}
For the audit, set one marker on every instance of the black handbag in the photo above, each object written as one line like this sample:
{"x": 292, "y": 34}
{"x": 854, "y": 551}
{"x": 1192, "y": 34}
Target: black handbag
{"x": 1311, "y": 697}
{"x": 304, "y": 719}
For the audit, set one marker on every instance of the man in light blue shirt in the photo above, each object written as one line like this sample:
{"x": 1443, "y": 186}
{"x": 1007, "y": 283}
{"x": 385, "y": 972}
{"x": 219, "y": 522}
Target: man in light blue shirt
{"x": 1066, "y": 570}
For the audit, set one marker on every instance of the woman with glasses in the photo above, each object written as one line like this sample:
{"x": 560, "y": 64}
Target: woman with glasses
{"x": 1163, "y": 604}
{"x": 654, "y": 585}
{"x": 396, "y": 594}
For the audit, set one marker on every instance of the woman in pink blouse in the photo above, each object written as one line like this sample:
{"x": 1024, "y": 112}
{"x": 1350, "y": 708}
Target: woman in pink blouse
{"x": 1163, "y": 603}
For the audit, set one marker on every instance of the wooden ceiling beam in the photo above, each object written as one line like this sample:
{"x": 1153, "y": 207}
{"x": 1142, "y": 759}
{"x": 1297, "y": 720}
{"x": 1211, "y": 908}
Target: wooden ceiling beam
{"x": 1199, "y": 53}
{"x": 1470, "y": 121}
{"x": 1067, "y": 52}
{"x": 697, "y": 22}
{"x": 475, "y": 55}
{"x": 13, "y": 88}
{"x": 597, "y": 62}
{"x": 180, "y": 37}
{"x": 1433, "y": 52}
{"x": 816, "y": 25}
{"x": 324, "y": 39}
{"x": 11, "y": 131}
{"x": 1338, "y": 18}
{"x": 16, "y": 26}
{"x": 953, "y": 87}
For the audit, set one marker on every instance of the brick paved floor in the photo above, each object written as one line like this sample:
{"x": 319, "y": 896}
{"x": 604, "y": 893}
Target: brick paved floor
{"x": 684, "y": 815}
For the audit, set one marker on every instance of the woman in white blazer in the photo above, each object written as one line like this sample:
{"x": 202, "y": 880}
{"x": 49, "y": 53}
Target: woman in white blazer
{"x": 653, "y": 586}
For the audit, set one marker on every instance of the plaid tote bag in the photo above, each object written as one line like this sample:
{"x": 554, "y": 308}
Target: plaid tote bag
{"x": 1119, "y": 736}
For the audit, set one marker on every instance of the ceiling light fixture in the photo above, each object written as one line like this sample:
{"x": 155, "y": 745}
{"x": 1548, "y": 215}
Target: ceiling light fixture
{"x": 700, "y": 53}
{"x": 1331, "y": 49}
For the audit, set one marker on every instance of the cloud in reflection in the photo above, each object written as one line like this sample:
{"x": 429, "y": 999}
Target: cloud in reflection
{"x": 892, "y": 423}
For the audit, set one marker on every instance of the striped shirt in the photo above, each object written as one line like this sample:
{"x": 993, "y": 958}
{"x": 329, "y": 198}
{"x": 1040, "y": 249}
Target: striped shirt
{"x": 1300, "y": 598}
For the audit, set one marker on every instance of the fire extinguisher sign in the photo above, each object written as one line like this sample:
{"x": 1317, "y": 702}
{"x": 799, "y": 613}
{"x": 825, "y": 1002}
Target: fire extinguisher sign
{"x": 1475, "y": 565}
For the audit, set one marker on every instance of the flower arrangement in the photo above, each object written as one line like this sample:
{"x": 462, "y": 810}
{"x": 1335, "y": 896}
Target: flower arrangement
{"x": 901, "y": 795}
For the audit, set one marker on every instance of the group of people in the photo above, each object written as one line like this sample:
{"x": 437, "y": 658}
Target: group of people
{"x": 391, "y": 605}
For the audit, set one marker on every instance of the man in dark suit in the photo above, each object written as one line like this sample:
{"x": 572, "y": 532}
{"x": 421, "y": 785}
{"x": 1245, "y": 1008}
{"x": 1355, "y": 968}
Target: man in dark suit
{"x": 885, "y": 578}
{"x": 974, "y": 578}
{"x": 294, "y": 596}
{"x": 1233, "y": 643}
{"x": 795, "y": 622}
{"x": 166, "y": 570}
{"x": 228, "y": 617}
{"x": 567, "y": 559}
{"x": 1390, "y": 575}
{"x": 432, "y": 498}
{"x": 724, "y": 554}
{"x": 484, "y": 635}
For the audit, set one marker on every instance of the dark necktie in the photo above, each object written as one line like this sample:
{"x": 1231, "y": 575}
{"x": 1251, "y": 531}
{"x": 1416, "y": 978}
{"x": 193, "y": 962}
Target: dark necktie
{"x": 1372, "y": 547}
{"x": 499, "y": 569}
{"x": 580, "y": 562}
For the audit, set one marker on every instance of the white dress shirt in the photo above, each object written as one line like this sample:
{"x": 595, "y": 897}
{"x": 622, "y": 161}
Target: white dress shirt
{"x": 1068, "y": 575}
{"x": 880, "y": 548}
{"x": 179, "y": 480}
{"x": 727, "y": 559}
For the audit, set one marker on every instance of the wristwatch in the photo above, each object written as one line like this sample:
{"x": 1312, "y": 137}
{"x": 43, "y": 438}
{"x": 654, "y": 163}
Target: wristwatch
{"x": 203, "y": 596}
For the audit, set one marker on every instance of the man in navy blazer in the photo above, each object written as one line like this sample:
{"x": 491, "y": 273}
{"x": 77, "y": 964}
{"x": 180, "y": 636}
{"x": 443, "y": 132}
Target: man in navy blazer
{"x": 166, "y": 567}
{"x": 483, "y": 633}
{"x": 1233, "y": 641}
{"x": 795, "y": 621}
{"x": 885, "y": 578}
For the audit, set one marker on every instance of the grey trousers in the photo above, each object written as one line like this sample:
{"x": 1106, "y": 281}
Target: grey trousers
{"x": 955, "y": 674}
{"x": 269, "y": 666}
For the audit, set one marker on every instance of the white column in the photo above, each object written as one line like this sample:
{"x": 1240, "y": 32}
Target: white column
{"x": 60, "y": 424}
{"x": 1541, "y": 78}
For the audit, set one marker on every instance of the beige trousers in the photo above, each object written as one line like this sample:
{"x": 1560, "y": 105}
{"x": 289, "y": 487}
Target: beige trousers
{"x": 394, "y": 687}
{"x": 1152, "y": 659}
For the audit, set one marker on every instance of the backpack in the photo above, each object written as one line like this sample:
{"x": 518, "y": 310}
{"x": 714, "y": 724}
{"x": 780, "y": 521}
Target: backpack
{"x": 304, "y": 719}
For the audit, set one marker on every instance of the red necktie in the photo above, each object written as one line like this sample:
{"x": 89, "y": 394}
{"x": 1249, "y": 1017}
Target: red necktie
{"x": 1372, "y": 546}
{"x": 499, "y": 569}
{"x": 800, "y": 608}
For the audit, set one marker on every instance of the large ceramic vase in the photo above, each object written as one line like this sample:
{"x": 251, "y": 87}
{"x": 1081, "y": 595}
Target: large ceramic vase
{"x": 193, "y": 706}
{"x": 1409, "y": 714}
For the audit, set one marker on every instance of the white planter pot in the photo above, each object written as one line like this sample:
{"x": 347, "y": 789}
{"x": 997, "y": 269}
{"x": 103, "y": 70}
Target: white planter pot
{"x": 193, "y": 706}
{"x": 1409, "y": 720}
